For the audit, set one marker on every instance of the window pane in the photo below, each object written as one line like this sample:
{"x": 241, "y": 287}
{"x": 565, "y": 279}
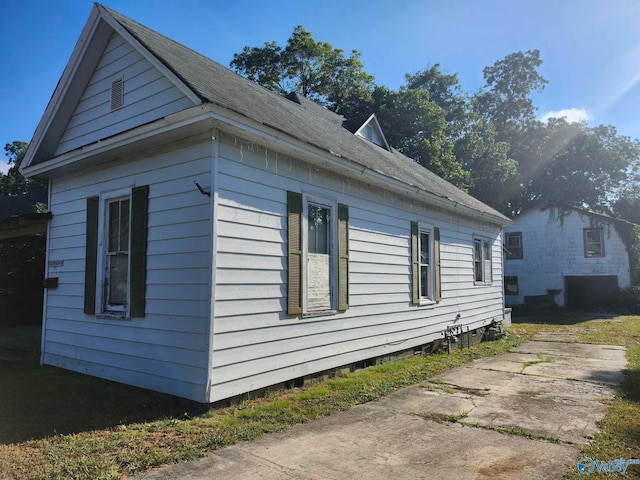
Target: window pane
{"x": 424, "y": 281}
{"x": 118, "y": 273}
{"x": 114, "y": 222}
{"x": 124, "y": 225}
{"x": 318, "y": 229}
{"x": 424, "y": 248}
{"x": 477, "y": 260}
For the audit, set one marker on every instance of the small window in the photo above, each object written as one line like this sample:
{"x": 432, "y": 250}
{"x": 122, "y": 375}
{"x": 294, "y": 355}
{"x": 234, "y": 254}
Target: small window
{"x": 482, "y": 261}
{"x": 511, "y": 285}
{"x": 593, "y": 242}
{"x": 513, "y": 245}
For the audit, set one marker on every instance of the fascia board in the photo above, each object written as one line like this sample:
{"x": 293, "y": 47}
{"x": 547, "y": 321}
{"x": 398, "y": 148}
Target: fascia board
{"x": 63, "y": 85}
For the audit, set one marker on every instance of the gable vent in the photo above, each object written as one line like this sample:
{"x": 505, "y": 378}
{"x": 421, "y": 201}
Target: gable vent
{"x": 117, "y": 94}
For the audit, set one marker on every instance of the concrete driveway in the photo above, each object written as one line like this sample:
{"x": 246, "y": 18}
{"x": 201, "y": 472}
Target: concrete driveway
{"x": 521, "y": 415}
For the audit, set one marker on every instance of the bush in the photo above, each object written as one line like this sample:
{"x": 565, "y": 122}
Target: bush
{"x": 629, "y": 300}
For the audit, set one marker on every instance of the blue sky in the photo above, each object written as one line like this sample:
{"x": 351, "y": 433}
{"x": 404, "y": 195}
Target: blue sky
{"x": 590, "y": 48}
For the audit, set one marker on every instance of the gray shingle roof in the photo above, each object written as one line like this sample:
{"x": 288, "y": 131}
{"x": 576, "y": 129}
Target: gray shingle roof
{"x": 305, "y": 121}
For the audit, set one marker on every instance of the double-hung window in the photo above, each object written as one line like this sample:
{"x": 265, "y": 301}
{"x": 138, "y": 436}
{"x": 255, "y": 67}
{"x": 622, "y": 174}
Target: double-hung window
{"x": 116, "y": 249}
{"x": 513, "y": 245}
{"x": 116, "y": 266}
{"x": 318, "y": 255}
{"x": 482, "y": 270}
{"x": 593, "y": 242}
{"x": 425, "y": 252}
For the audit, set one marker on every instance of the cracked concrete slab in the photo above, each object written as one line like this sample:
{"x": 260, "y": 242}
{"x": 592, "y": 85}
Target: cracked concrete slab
{"x": 519, "y": 415}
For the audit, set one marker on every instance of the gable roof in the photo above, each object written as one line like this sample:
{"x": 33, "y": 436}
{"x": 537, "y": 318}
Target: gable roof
{"x": 357, "y": 126}
{"x": 294, "y": 116}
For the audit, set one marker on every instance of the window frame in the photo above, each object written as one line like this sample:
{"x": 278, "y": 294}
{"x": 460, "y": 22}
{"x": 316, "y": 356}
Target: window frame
{"x": 332, "y": 205}
{"x": 485, "y": 244}
{"x": 517, "y": 285}
{"x": 430, "y": 298}
{"x": 586, "y": 243}
{"x": 510, "y": 255}
{"x": 102, "y": 308}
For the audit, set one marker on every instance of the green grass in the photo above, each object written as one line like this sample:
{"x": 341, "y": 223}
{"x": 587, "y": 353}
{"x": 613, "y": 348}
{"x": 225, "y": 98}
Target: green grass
{"x": 619, "y": 435}
{"x": 56, "y": 424}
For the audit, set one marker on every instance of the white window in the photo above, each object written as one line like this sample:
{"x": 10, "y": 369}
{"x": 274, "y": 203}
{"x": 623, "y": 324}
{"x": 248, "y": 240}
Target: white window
{"x": 426, "y": 263}
{"x": 114, "y": 250}
{"x": 482, "y": 261}
{"x": 593, "y": 242}
{"x": 319, "y": 242}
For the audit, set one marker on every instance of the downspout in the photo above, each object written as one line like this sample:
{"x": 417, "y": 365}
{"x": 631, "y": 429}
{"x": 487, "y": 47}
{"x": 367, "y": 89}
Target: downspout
{"x": 215, "y": 151}
{"x": 45, "y": 296}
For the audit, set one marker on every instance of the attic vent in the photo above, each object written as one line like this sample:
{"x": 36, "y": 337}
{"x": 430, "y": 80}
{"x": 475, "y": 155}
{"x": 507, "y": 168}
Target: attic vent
{"x": 117, "y": 94}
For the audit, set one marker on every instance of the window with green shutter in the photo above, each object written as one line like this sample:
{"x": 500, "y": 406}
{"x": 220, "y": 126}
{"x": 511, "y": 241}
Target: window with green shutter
{"x": 318, "y": 255}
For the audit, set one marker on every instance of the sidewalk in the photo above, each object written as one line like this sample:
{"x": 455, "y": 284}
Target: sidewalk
{"x": 521, "y": 415}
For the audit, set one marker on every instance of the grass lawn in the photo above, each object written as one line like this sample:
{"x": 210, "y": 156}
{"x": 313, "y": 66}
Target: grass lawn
{"x": 56, "y": 424}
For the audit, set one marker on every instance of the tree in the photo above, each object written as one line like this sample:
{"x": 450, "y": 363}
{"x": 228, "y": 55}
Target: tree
{"x": 506, "y": 98}
{"x": 315, "y": 69}
{"x": 13, "y": 183}
{"x": 417, "y": 127}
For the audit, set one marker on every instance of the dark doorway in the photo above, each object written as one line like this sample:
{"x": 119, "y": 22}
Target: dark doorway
{"x": 591, "y": 291}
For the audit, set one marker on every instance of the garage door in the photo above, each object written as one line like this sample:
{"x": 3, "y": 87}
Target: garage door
{"x": 591, "y": 291}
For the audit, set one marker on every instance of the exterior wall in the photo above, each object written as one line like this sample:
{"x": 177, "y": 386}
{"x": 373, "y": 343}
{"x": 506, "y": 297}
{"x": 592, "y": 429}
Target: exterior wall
{"x": 257, "y": 344}
{"x": 553, "y": 250}
{"x": 148, "y": 96}
{"x": 167, "y": 350}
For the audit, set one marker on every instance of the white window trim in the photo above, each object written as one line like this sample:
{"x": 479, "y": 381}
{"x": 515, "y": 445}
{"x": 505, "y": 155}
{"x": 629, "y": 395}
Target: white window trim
{"x": 101, "y": 311}
{"x": 431, "y": 298}
{"x": 482, "y": 241}
{"x": 586, "y": 243}
{"x": 333, "y": 271}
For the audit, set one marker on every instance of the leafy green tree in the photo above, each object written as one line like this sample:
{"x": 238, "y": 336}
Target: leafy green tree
{"x": 506, "y": 98}
{"x": 417, "y": 127}
{"x": 315, "y": 69}
{"x": 13, "y": 183}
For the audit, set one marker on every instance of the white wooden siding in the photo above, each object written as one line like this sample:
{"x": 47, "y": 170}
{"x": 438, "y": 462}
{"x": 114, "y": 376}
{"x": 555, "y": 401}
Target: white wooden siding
{"x": 148, "y": 96}
{"x": 167, "y": 350}
{"x": 554, "y": 249}
{"x": 257, "y": 344}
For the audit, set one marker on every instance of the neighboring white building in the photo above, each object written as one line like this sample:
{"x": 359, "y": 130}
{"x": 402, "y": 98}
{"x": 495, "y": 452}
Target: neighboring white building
{"x": 573, "y": 256}
{"x": 210, "y": 238}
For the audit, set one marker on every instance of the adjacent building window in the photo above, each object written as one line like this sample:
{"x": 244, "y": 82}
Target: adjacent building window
{"x": 482, "y": 260}
{"x": 116, "y": 249}
{"x": 511, "y": 285}
{"x": 318, "y": 245}
{"x": 593, "y": 242}
{"x": 425, "y": 251}
{"x": 513, "y": 245}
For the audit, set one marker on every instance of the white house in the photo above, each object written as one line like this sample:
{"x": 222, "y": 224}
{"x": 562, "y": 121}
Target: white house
{"x": 210, "y": 238}
{"x": 574, "y": 257}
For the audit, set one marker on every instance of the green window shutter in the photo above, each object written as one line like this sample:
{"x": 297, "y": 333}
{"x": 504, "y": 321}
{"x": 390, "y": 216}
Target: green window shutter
{"x": 91, "y": 256}
{"x": 294, "y": 276}
{"x": 138, "y": 274}
{"x": 436, "y": 254}
{"x": 415, "y": 264}
{"x": 343, "y": 257}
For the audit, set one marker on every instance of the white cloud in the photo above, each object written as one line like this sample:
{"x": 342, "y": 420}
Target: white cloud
{"x": 4, "y": 166}
{"x": 570, "y": 114}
